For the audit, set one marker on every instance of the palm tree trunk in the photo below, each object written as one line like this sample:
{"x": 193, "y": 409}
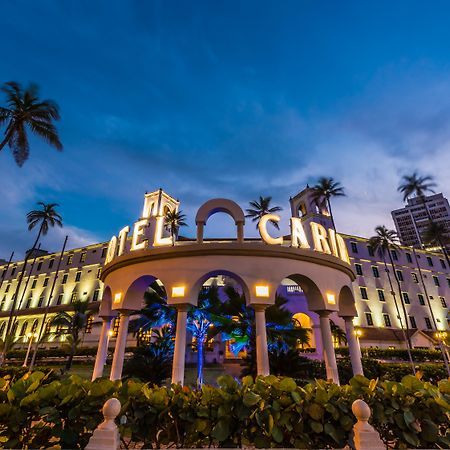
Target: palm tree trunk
{"x": 200, "y": 361}
{"x": 70, "y": 358}
{"x": 331, "y": 213}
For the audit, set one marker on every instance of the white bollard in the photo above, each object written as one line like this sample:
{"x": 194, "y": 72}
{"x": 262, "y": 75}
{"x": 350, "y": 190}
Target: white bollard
{"x": 106, "y": 435}
{"x": 365, "y": 436}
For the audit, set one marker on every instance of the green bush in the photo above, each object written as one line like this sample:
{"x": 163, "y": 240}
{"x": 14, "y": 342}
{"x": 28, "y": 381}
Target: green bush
{"x": 37, "y": 411}
{"x": 418, "y": 355}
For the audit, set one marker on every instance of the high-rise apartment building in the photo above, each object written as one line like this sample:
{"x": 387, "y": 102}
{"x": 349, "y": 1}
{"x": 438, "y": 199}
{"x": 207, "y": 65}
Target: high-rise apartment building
{"x": 412, "y": 221}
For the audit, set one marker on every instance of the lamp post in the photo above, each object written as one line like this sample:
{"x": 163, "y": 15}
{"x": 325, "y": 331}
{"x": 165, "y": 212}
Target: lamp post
{"x": 30, "y": 336}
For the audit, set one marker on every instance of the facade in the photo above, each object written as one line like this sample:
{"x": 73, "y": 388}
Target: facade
{"x": 412, "y": 220}
{"x": 423, "y": 276}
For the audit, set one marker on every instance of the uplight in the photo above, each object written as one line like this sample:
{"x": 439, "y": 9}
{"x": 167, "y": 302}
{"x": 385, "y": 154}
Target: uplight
{"x": 331, "y": 298}
{"x": 262, "y": 290}
{"x": 178, "y": 291}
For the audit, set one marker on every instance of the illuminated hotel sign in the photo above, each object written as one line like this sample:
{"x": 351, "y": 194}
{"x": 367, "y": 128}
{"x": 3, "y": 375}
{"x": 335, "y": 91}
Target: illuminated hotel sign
{"x": 149, "y": 231}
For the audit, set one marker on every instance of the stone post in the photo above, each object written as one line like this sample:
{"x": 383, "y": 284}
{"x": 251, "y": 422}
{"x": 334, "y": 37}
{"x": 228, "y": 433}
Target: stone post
{"x": 328, "y": 349}
{"x": 365, "y": 436}
{"x": 200, "y": 226}
{"x": 102, "y": 350}
{"x": 240, "y": 232}
{"x": 121, "y": 342}
{"x": 179, "y": 354}
{"x": 106, "y": 435}
{"x": 353, "y": 346}
{"x": 262, "y": 353}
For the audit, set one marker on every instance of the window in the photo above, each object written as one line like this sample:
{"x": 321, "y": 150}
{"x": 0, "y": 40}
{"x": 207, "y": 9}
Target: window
{"x": 408, "y": 257}
{"x": 83, "y": 257}
{"x": 364, "y": 295}
{"x": 13, "y": 270}
{"x": 7, "y": 287}
{"x": 73, "y": 297}
{"x": 45, "y": 282}
{"x": 89, "y": 322}
{"x": 69, "y": 259}
{"x": 381, "y": 295}
{"x": 412, "y": 321}
{"x": 394, "y": 255}
{"x": 430, "y": 261}
{"x": 358, "y": 269}
{"x": 50, "y": 263}
{"x": 448, "y": 282}
{"x": 99, "y": 273}
{"x": 369, "y": 319}
{"x": 104, "y": 250}
{"x": 64, "y": 279}
{"x": 421, "y": 299}
{"x": 436, "y": 280}
{"x": 39, "y": 266}
{"x": 370, "y": 249}
{"x": 414, "y": 277}
{"x": 78, "y": 276}
{"x": 354, "y": 247}
{"x": 387, "y": 320}
{"x": 376, "y": 274}
{"x": 2, "y": 305}
{"x": 399, "y": 275}
{"x": 428, "y": 323}
{"x": 33, "y": 284}
{"x": 60, "y": 298}
{"x": 95, "y": 296}
{"x": 443, "y": 264}
{"x": 115, "y": 327}
{"x": 28, "y": 304}
{"x": 40, "y": 301}
{"x": 406, "y": 300}
{"x": 443, "y": 303}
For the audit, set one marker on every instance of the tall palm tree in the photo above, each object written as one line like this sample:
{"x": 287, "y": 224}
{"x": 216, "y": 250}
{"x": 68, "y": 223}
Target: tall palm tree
{"x": 71, "y": 325}
{"x": 26, "y": 112}
{"x": 338, "y": 334}
{"x": 46, "y": 217}
{"x": 324, "y": 190}
{"x": 173, "y": 220}
{"x": 260, "y": 208}
{"x": 384, "y": 241}
{"x": 436, "y": 234}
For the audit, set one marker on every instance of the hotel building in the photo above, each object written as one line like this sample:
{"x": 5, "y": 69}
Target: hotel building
{"x": 424, "y": 279}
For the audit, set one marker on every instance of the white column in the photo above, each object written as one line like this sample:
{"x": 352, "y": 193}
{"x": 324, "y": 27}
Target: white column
{"x": 328, "y": 349}
{"x": 102, "y": 350}
{"x": 262, "y": 353}
{"x": 200, "y": 226}
{"x": 179, "y": 353}
{"x": 119, "y": 351}
{"x": 318, "y": 340}
{"x": 240, "y": 232}
{"x": 353, "y": 346}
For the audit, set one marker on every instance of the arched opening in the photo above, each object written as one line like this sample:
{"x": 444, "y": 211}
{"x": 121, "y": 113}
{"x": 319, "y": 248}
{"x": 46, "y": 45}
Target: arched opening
{"x": 304, "y": 321}
{"x": 2, "y": 329}
{"x": 309, "y": 290}
{"x": 23, "y": 329}
{"x": 34, "y": 326}
{"x": 14, "y": 329}
{"x": 220, "y": 227}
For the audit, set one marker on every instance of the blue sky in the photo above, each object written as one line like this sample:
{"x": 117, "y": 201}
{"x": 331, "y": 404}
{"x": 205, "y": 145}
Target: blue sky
{"x": 224, "y": 99}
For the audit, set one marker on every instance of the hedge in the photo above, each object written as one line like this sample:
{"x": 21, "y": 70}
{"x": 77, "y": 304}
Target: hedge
{"x": 38, "y": 411}
{"x": 418, "y": 355}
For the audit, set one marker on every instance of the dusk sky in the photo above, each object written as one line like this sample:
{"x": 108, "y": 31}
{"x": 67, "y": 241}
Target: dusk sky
{"x": 224, "y": 99}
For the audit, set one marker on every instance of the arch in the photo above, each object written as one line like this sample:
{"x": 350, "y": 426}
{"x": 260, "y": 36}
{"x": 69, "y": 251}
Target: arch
{"x": 14, "y": 329}
{"x": 196, "y": 287}
{"x": 23, "y": 329}
{"x": 134, "y": 296}
{"x": 346, "y": 301}
{"x": 305, "y": 321}
{"x": 314, "y": 298}
{"x": 35, "y": 325}
{"x": 214, "y": 206}
{"x": 106, "y": 304}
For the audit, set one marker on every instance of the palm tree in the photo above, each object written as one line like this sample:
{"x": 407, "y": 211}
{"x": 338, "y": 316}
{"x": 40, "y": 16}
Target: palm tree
{"x": 26, "y": 112}
{"x": 324, "y": 190}
{"x": 418, "y": 186}
{"x": 338, "y": 334}
{"x": 46, "y": 217}
{"x": 173, "y": 220}
{"x": 384, "y": 241}
{"x": 71, "y": 326}
{"x": 436, "y": 234}
{"x": 261, "y": 208}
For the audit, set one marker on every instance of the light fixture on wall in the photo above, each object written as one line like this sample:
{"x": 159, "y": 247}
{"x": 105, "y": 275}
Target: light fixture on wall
{"x": 118, "y": 297}
{"x": 331, "y": 298}
{"x": 178, "y": 291}
{"x": 262, "y": 290}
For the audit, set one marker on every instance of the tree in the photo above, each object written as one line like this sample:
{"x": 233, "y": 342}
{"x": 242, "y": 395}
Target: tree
{"x": 261, "y": 208}
{"x": 26, "y": 112}
{"x": 436, "y": 234}
{"x": 338, "y": 334}
{"x": 72, "y": 326}
{"x": 324, "y": 190}
{"x": 46, "y": 217}
{"x": 173, "y": 220}
{"x": 384, "y": 242}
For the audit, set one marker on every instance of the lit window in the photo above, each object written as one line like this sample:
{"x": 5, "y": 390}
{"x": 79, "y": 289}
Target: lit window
{"x": 73, "y": 297}
{"x": 364, "y": 295}
{"x": 69, "y": 259}
{"x": 89, "y": 322}
{"x": 358, "y": 269}
{"x": 369, "y": 319}
{"x": 381, "y": 295}
{"x": 83, "y": 257}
